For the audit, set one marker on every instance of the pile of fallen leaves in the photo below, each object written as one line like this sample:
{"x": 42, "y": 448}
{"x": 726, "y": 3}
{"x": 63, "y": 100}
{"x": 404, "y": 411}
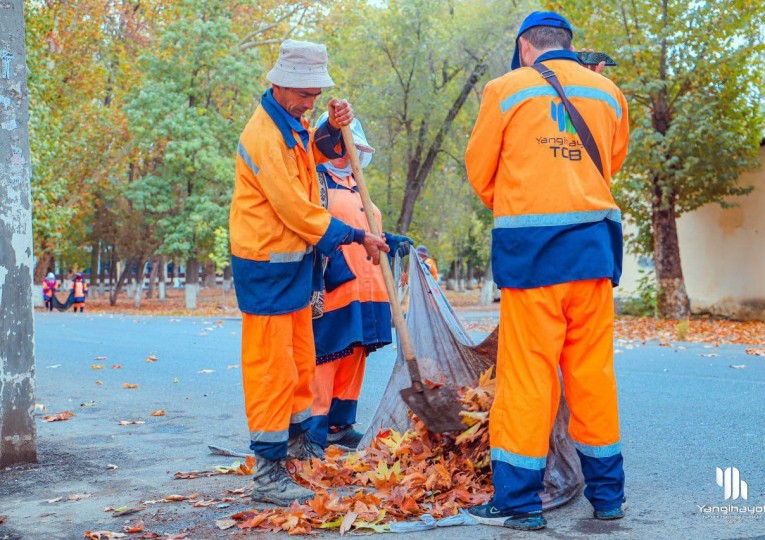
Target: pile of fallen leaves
{"x": 399, "y": 476}
{"x": 703, "y": 330}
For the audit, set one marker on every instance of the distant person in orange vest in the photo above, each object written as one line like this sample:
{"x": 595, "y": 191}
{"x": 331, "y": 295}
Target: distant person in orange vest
{"x": 422, "y": 251}
{"x": 80, "y": 291}
{"x": 50, "y": 286}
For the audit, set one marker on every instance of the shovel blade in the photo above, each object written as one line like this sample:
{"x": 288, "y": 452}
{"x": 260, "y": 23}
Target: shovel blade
{"x": 438, "y": 408}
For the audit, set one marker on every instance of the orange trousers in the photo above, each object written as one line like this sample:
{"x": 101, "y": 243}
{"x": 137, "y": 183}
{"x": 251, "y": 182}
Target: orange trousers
{"x": 566, "y": 327}
{"x": 278, "y": 363}
{"x": 336, "y": 390}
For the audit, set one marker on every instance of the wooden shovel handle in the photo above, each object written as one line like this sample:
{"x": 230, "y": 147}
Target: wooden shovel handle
{"x": 398, "y": 317}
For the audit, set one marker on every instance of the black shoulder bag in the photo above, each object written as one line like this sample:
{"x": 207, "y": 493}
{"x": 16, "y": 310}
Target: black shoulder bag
{"x": 576, "y": 119}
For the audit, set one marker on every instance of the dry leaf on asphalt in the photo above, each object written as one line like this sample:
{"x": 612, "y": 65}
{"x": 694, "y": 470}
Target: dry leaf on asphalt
{"x": 128, "y": 385}
{"x": 134, "y": 527}
{"x": 124, "y": 511}
{"x": 102, "y": 535}
{"x": 224, "y": 524}
{"x": 347, "y": 522}
{"x": 59, "y": 417}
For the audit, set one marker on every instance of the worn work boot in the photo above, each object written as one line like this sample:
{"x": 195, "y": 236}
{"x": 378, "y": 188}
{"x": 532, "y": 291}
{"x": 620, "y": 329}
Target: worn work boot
{"x": 487, "y": 514}
{"x": 302, "y": 448}
{"x": 610, "y": 515}
{"x": 345, "y": 436}
{"x": 272, "y": 484}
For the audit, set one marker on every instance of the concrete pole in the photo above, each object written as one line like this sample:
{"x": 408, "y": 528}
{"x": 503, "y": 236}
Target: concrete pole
{"x": 17, "y": 368}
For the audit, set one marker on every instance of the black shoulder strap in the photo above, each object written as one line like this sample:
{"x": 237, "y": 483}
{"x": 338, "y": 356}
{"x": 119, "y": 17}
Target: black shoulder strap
{"x": 576, "y": 119}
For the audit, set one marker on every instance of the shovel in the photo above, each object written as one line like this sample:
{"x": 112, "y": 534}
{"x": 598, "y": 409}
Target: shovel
{"x": 438, "y": 408}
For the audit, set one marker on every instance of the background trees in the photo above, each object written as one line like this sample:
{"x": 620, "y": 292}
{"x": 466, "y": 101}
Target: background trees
{"x": 693, "y": 76}
{"x": 137, "y": 107}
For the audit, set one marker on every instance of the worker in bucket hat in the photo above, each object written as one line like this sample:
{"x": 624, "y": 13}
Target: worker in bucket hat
{"x": 278, "y": 230}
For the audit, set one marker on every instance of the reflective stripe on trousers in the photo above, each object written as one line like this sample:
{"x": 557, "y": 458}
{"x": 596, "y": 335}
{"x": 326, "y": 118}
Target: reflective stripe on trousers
{"x": 278, "y": 363}
{"x": 568, "y": 326}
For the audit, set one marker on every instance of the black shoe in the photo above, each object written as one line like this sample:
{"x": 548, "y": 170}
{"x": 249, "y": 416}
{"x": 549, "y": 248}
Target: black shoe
{"x": 609, "y": 515}
{"x": 486, "y": 514}
{"x": 347, "y": 437}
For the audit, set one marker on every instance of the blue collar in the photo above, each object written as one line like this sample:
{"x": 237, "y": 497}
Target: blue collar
{"x": 560, "y": 54}
{"x": 284, "y": 121}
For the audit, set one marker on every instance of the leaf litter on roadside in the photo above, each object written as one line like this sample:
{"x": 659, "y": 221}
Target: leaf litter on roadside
{"x": 399, "y": 476}
{"x": 59, "y": 417}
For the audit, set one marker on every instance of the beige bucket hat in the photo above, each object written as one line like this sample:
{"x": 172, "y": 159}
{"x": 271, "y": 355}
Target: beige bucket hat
{"x": 301, "y": 64}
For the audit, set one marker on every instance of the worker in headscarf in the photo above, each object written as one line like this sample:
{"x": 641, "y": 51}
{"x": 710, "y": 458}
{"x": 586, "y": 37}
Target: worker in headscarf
{"x": 556, "y": 255}
{"x": 430, "y": 264}
{"x": 50, "y": 286}
{"x": 356, "y": 318}
{"x": 278, "y": 228}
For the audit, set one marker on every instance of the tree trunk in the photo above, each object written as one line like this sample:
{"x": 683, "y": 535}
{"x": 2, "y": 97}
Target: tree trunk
{"x": 116, "y": 288}
{"x": 420, "y": 168}
{"x": 487, "y": 292}
{"x": 210, "y": 277}
{"x": 227, "y": 279}
{"x": 139, "y": 279}
{"x": 94, "y": 258}
{"x": 17, "y": 362}
{"x": 101, "y": 273}
{"x": 192, "y": 283}
{"x": 45, "y": 264}
{"x": 673, "y": 298}
{"x": 153, "y": 275}
{"x": 161, "y": 277}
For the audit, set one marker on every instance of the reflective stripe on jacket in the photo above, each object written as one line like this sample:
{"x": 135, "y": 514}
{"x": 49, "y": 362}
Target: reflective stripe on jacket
{"x": 555, "y": 219}
{"x": 276, "y": 219}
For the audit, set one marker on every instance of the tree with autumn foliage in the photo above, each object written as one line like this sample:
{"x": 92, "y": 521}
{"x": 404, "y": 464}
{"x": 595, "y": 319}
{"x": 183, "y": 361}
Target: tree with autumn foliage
{"x": 692, "y": 74}
{"x": 186, "y": 116}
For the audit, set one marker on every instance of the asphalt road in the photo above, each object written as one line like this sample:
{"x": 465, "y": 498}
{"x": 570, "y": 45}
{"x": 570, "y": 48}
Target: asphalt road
{"x": 684, "y": 412}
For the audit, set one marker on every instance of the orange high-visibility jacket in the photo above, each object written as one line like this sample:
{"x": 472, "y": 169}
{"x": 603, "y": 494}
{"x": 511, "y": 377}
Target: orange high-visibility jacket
{"x": 555, "y": 219}
{"x": 356, "y": 308}
{"x": 276, "y": 217}
{"x": 80, "y": 290}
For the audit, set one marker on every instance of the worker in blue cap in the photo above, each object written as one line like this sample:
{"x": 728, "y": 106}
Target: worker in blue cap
{"x": 556, "y": 256}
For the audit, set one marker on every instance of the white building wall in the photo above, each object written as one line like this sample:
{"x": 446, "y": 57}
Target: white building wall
{"x": 723, "y": 254}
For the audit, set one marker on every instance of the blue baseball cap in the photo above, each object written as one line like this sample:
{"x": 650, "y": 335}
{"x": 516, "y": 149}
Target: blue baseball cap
{"x": 538, "y": 18}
